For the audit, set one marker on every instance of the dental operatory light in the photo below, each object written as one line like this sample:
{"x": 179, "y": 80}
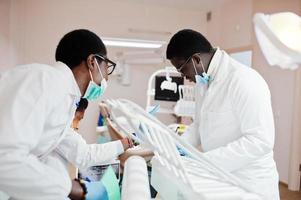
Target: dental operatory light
{"x": 279, "y": 37}
{"x": 121, "y": 42}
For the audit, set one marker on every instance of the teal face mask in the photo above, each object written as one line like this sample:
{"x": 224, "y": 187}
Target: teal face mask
{"x": 94, "y": 91}
{"x": 204, "y": 79}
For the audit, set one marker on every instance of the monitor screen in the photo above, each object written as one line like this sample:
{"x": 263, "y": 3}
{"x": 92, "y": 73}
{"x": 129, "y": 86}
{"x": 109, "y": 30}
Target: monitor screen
{"x": 167, "y": 95}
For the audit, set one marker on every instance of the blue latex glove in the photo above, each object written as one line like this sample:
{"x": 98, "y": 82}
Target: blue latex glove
{"x": 182, "y": 152}
{"x": 106, "y": 189}
{"x": 154, "y": 110}
{"x": 96, "y": 191}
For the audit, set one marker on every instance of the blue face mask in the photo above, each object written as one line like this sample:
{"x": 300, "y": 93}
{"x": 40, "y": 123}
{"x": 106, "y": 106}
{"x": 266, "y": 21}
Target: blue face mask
{"x": 201, "y": 79}
{"x": 94, "y": 91}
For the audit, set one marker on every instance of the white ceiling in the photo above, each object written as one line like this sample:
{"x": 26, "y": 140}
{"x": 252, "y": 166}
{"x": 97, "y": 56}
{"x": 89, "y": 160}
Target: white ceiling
{"x": 202, "y": 5}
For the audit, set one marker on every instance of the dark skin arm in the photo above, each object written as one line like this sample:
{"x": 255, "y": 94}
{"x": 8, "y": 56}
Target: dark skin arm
{"x": 77, "y": 192}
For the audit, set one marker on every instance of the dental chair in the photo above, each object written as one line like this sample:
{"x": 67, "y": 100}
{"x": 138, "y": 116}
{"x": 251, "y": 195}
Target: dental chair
{"x": 179, "y": 171}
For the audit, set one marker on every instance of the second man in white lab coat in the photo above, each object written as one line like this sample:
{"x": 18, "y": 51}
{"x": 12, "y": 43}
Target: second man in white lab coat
{"x": 233, "y": 123}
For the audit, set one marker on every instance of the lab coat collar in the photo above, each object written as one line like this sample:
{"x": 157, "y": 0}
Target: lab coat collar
{"x": 217, "y": 65}
{"x": 73, "y": 88}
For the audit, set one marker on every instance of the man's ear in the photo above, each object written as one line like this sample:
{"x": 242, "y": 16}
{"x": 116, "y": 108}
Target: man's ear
{"x": 91, "y": 62}
{"x": 197, "y": 58}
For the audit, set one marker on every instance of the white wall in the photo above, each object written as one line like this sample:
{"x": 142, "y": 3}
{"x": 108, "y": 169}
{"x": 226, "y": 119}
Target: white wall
{"x": 45, "y": 22}
{"x": 231, "y": 26}
{"x": 295, "y": 146}
{"x": 4, "y": 34}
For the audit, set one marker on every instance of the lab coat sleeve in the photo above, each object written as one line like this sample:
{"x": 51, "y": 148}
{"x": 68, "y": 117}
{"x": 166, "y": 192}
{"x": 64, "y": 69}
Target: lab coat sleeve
{"x": 251, "y": 102}
{"x": 22, "y": 174}
{"x": 75, "y": 149}
{"x": 191, "y": 135}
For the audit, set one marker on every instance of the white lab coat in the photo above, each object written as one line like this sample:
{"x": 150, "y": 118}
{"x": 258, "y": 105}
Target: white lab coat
{"x": 234, "y": 124}
{"x": 37, "y": 104}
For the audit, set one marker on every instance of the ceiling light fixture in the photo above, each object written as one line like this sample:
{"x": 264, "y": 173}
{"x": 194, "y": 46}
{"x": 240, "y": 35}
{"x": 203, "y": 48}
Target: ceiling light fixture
{"x": 133, "y": 43}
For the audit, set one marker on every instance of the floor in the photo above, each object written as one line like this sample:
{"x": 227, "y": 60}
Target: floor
{"x": 285, "y": 194}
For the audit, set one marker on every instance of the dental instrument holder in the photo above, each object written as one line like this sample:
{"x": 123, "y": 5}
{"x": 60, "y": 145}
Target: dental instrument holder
{"x": 185, "y": 106}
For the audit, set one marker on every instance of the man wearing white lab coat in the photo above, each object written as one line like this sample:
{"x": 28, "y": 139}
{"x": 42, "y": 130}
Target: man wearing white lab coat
{"x": 37, "y": 104}
{"x": 233, "y": 123}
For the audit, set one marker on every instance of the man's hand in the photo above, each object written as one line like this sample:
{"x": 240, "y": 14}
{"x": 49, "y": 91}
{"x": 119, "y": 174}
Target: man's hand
{"x": 77, "y": 192}
{"x": 145, "y": 153}
{"x": 123, "y": 157}
{"x": 104, "y": 110}
{"x": 127, "y": 143}
{"x": 114, "y": 133}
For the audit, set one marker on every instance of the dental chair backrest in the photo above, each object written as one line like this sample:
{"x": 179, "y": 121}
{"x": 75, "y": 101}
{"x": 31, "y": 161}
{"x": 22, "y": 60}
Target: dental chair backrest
{"x": 165, "y": 144}
{"x": 149, "y": 134}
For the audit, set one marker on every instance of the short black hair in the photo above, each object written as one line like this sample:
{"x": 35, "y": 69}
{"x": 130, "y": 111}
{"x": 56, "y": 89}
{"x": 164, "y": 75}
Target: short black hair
{"x": 82, "y": 105}
{"x": 77, "y": 45}
{"x": 187, "y": 42}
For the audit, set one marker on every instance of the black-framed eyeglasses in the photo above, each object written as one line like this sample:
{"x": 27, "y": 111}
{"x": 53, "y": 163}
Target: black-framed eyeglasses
{"x": 111, "y": 64}
{"x": 183, "y": 65}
